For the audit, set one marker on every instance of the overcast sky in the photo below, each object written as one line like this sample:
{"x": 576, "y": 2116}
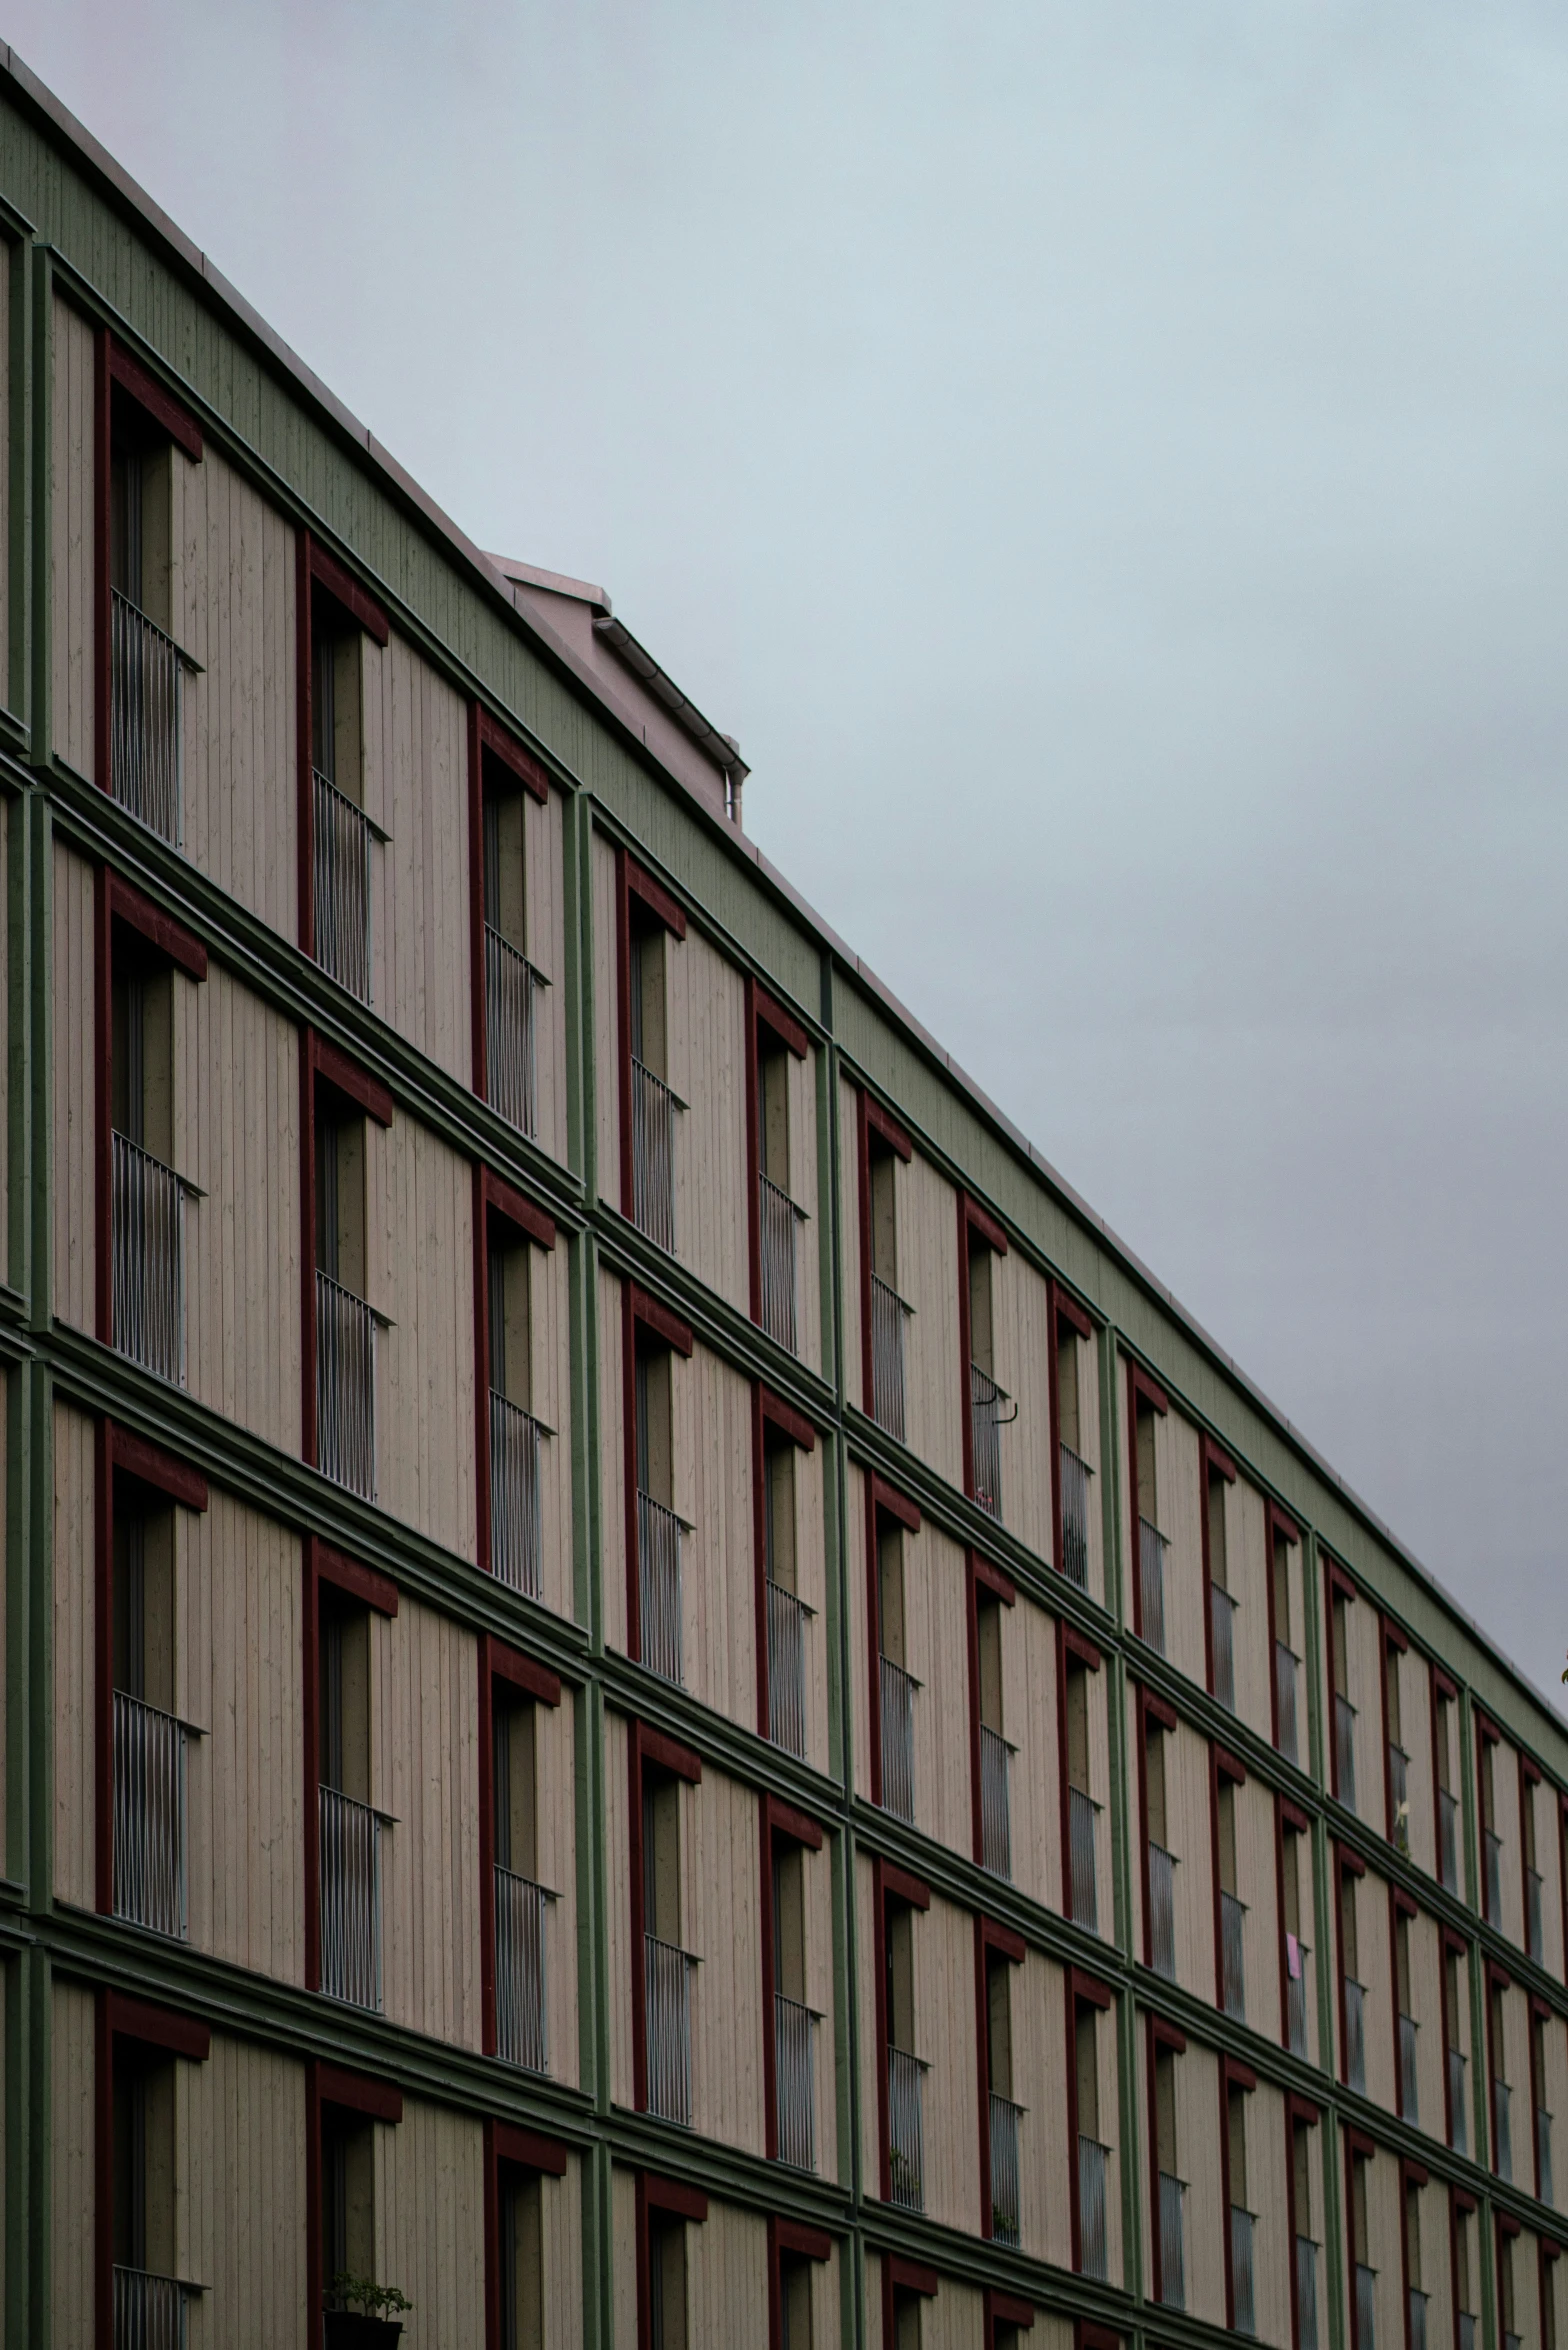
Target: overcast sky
{"x": 1107, "y": 463}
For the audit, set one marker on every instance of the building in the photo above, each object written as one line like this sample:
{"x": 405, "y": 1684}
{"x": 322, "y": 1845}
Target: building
{"x": 651, "y": 1692}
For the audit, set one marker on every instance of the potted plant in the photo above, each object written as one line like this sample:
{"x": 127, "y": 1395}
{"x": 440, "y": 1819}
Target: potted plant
{"x": 356, "y": 2314}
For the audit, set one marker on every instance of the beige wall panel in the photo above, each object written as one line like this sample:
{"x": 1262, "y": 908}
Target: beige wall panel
{"x": 1374, "y": 1928}
{"x": 623, "y": 2212}
{"x": 927, "y": 1218}
{"x": 849, "y": 1246}
{"x": 551, "y": 1337}
{"x": 545, "y": 882}
{"x": 707, "y": 1064}
{"x": 1179, "y": 1487}
{"x": 71, "y": 540}
{"x": 429, "y": 2224}
{"x": 1020, "y": 1306}
{"x": 416, "y": 788}
{"x": 561, "y": 2217}
{"x": 1555, "y": 2284}
{"x": 236, "y": 1134}
{"x": 233, "y": 606}
{"x": 944, "y": 1947}
{"x": 1198, "y": 2111}
{"x": 1556, "y": 2039}
{"x": 1257, "y": 1883}
{"x": 1527, "y": 2290}
{"x": 1426, "y": 1994}
{"x": 425, "y": 1773}
{"x": 75, "y": 1485}
{"x": 238, "y": 1678}
{"x": 937, "y": 1646}
{"x": 866, "y": 2012}
{"x": 421, "y": 1275}
{"x": 72, "y": 2175}
{"x": 860, "y": 1629}
{"x": 1031, "y": 1719}
{"x": 1187, "y": 1797}
{"x": 612, "y": 1461}
{"x": 955, "y": 2319}
{"x": 1267, "y": 2187}
{"x": 557, "y": 1801}
{"x": 606, "y": 1020}
{"x": 618, "y": 1907}
{"x": 240, "y": 2213}
{"x": 810, "y": 1237}
{"x": 721, "y": 1897}
{"x": 75, "y": 1044}
{"x": 1247, "y": 1572}
{"x": 727, "y": 2277}
{"x": 1385, "y": 2218}
{"x": 718, "y": 1587}
{"x": 1039, "y": 2018}
{"x": 1513, "y": 2064}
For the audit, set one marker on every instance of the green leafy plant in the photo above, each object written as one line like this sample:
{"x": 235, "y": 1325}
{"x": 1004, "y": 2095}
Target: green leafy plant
{"x": 365, "y": 2294}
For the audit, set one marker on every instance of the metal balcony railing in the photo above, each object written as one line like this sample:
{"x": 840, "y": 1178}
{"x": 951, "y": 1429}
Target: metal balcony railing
{"x": 149, "y": 2311}
{"x": 1173, "y": 2248}
{"x": 1543, "y": 2155}
{"x": 146, "y": 702}
{"x": 1366, "y": 2307}
{"x": 149, "y": 1817}
{"x": 1417, "y": 2326}
{"x": 1233, "y": 1973}
{"x": 987, "y": 1412}
{"x": 1458, "y": 2123}
{"x": 1409, "y": 2073}
{"x": 522, "y": 2033}
{"x": 1152, "y": 1547}
{"x": 1502, "y": 2130}
{"x": 1448, "y": 1839}
{"x": 654, "y": 1112}
{"x": 667, "y": 1977}
{"x": 149, "y": 1260}
{"x": 1083, "y": 1889}
{"x": 898, "y": 1739}
{"x": 341, "y": 867}
{"x": 1075, "y": 1517}
{"x": 996, "y": 1810}
{"x": 1345, "y": 1751}
{"x": 889, "y": 1316}
{"x": 1398, "y": 1797}
{"x": 659, "y": 1533}
{"x": 1534, "y": 1929}
{"x": 1307, "y": 2293}
{"x": 1243, "y": 2300}
{"x": 1093, "y": 2252}
{"x": 788, "y": 1618}
{"x": 1296, "y": 1956}
{"x": 1006, "y": 2208}
{"x": 345, "y": 1387}
{"x": 350, "y": 1899}
{"x": 1222, "y": 1627}
{"x": 1287, "y": 1668}
{"x": 1162, "y": 1911}
{"x": 516, "y": 1538}
{"x": 778, "y": 1221}
{"x": 1355, "y": 2035}
{"x": 1492, "y": 1848}
{"x": 906, "y": 2137}
{"x": 512, "y": 988}
{"x": 794, "y": 2033}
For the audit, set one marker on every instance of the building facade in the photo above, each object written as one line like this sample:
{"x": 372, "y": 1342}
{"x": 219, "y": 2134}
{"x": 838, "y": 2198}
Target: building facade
{"x": 651, "y": 1692}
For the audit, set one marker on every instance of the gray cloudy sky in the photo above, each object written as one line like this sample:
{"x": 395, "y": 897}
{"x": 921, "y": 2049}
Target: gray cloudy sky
{"x": 1108, "y": 464}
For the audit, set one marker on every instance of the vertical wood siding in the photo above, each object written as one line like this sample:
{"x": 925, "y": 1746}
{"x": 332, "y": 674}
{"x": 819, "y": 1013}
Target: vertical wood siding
{"x": 75, "y": 1024}
{"x": 721, "y": 1897}
{"x": 1426, "y": 1995}
{"x": 1020, "y": 1302}
{"x": 1273, "y": 2254}
{"x": 849, "y": 1247}
{"x": 236, "y": 1134}
{"x": 240, "y": 2218}
{"x": 238, "y": 1678}
{"x": 551, "y": 1345}
{"x": 618, "y": 1909}
{"x": 718, "y": 1604}
{"x": 71, "y": 547}
{"x": 612, "y": 1462}
{"x": 1556, "y": 2091}
{"x": 1187, "y": 1797}
{"x": 623, "y": 2255}
{"x": 557, "y": 1801}
{"x": 416, "y": 787}
{"x": 545, "y": 881}
{"x": 955, "y": 2319}
{"x": 1030, "y": 1709}
{"x": 421, "y": 1257}
{"x": 1039, "y": 2019}
{"x": 72, "y": 2174}
{"x": 1437, "y": 2273}
{"x": 1376, "y": 1957}
{"x": 707, "y": 1065}
{"x": 1385, "y": 2218}
{"x": 871, "y": 2055}
{"x": 944, "y": 1951}
{"x": 727, "y": 2277}
{"x": 233, "y": 602}
{"x": 1208, "y": 2220}
{"x": 1256, "y": 1878}
{"x": 75, "y": 1611}
{"x": 936, "y": 1633}
{"x": 425, "y": 1732}
{"x": 926, "y": 1210}
{"x": 606, "y": 1019}
{"x": 429, "y": 2219}
{"x": 561, "y": 2234}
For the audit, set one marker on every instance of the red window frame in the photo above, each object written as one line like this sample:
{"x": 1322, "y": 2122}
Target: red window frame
{"x": 496, "y": 1202}
{"x": 520, "y": 2150}
{"x": 645, "y": 1746}
{"x": 119, "y": 2018}
{"x": 990, "y": 1938}
{"x": 488, "y": 739}
{"x": 1391, "y": 1643}
{"x": 322, "y": 1564}
{"x": 781, "y": 1825}
{"x": 788, "y": 2237}
{"x": 1212, "y": 1463}
{"x": 639, "y": 1310}
{"x": 1232, "y": 2075}
{"x": 870, "y": 1117}
{"x": 763, "y": 1011}
{"x": 315, "y": 569}
{"x": 1337, "y": 1584}
{"x": 1299, "y": 2112}
{"x": 768, "y": 1411}
{"x": 979, "y": 1575}
{"x": 1150, "y": 1709}
{"x": 631, "y": 881}
{"x": 1346, "y": 1864}
{"x": 1060, "y": 1308}
{"x": 1140, "y": 1389}
{"x": 888, "y": 1883}
{"x": 498, "y": 1662}
{"x": 1277, "y": 1526}
{"x": 1287, "y": 1815}
{"x": 1070, "y": 1642}
{"x": 1160, "y": 2035}
{"x": 1227, "y": 1766}
{"x": 1083, "y": 1990}
{"x": 330, "y": 2086}
{"x": 1400, "y": 1905}
{"x": 321, "y": 1063}
{"x": 882, "y": 1501}
{"x": 975, "y": 1223}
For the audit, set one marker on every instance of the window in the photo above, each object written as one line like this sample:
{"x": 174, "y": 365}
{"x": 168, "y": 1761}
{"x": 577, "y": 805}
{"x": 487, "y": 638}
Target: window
{"x": 1093, "y": 2154}
{"x": 1466, "y": 2273}
{"x": 1363, "y": 2303}
{"x": 348, "y": 2238}
{"x": 775, "y": 1039}
{"x": 150, "y": 1741}
{"x": 338, "y": 1153}
{"x": 510, "y": 982}
{"x": 521, "y": 1901}
{"x": 784, "y": 1630}
{"x": 1444, "y": 1710}
{"x": 994, "y": 1755}
{"x": 1352, "y": 1989}
{"x": 1000, "y": 1952}
{"x": 334, "y": 822}
{"x": 650, "y": 1108}
{"x": 1415, "y": 2326}
{"x": 1232, "y": 1910}
{"x": 655, "y": 1598}
{"x": 1534, "y": 1921}
{"x": 1409, "y": 2075}
{"x": 1073, "y": 1470}
{"x": 1153, "y": 1547}
{"x": 792, "y": 2071}
{"x": 146, "y": 2295}
{"x": 1296, "y": 1952}
{"x": 143, "y": 672}
{"x": 1161, "y": 1861}
{"x": 1508, "y": 2313}
{"x": 1287, "y": 1656}
{"x": 662, "y": 2047}
{"x": 1171, "y": 2187}
{"x": 1304, "y": 2274}
{"x": 512, "y": 1430}
{"x": 887, "y": 1314}
{"x": 899, "y": 1897}
{"x": 1497, "y": 2039}
{"x": 1539, "y": 2017}
{"x": 1398, "y": 1758}
{"x": 520, "y": 2214}
{"x": 1082, "y": 1811}
{"x": 667, "y": 2281}
{"x": 988, "y": 1405}
{"x": 350, "y": 1829}
{"x": 1454, "y": 2042}
{"x": 1239, "y": 2248}
{"x": 1491, "y": 1839}
{"x": 146, "y": 1207}
{"x": 896, "y": 1684}
{"x": 795, "y": 2301}
{"x": 907, "y": 2306}
{"x": 1344, "y": 1741}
